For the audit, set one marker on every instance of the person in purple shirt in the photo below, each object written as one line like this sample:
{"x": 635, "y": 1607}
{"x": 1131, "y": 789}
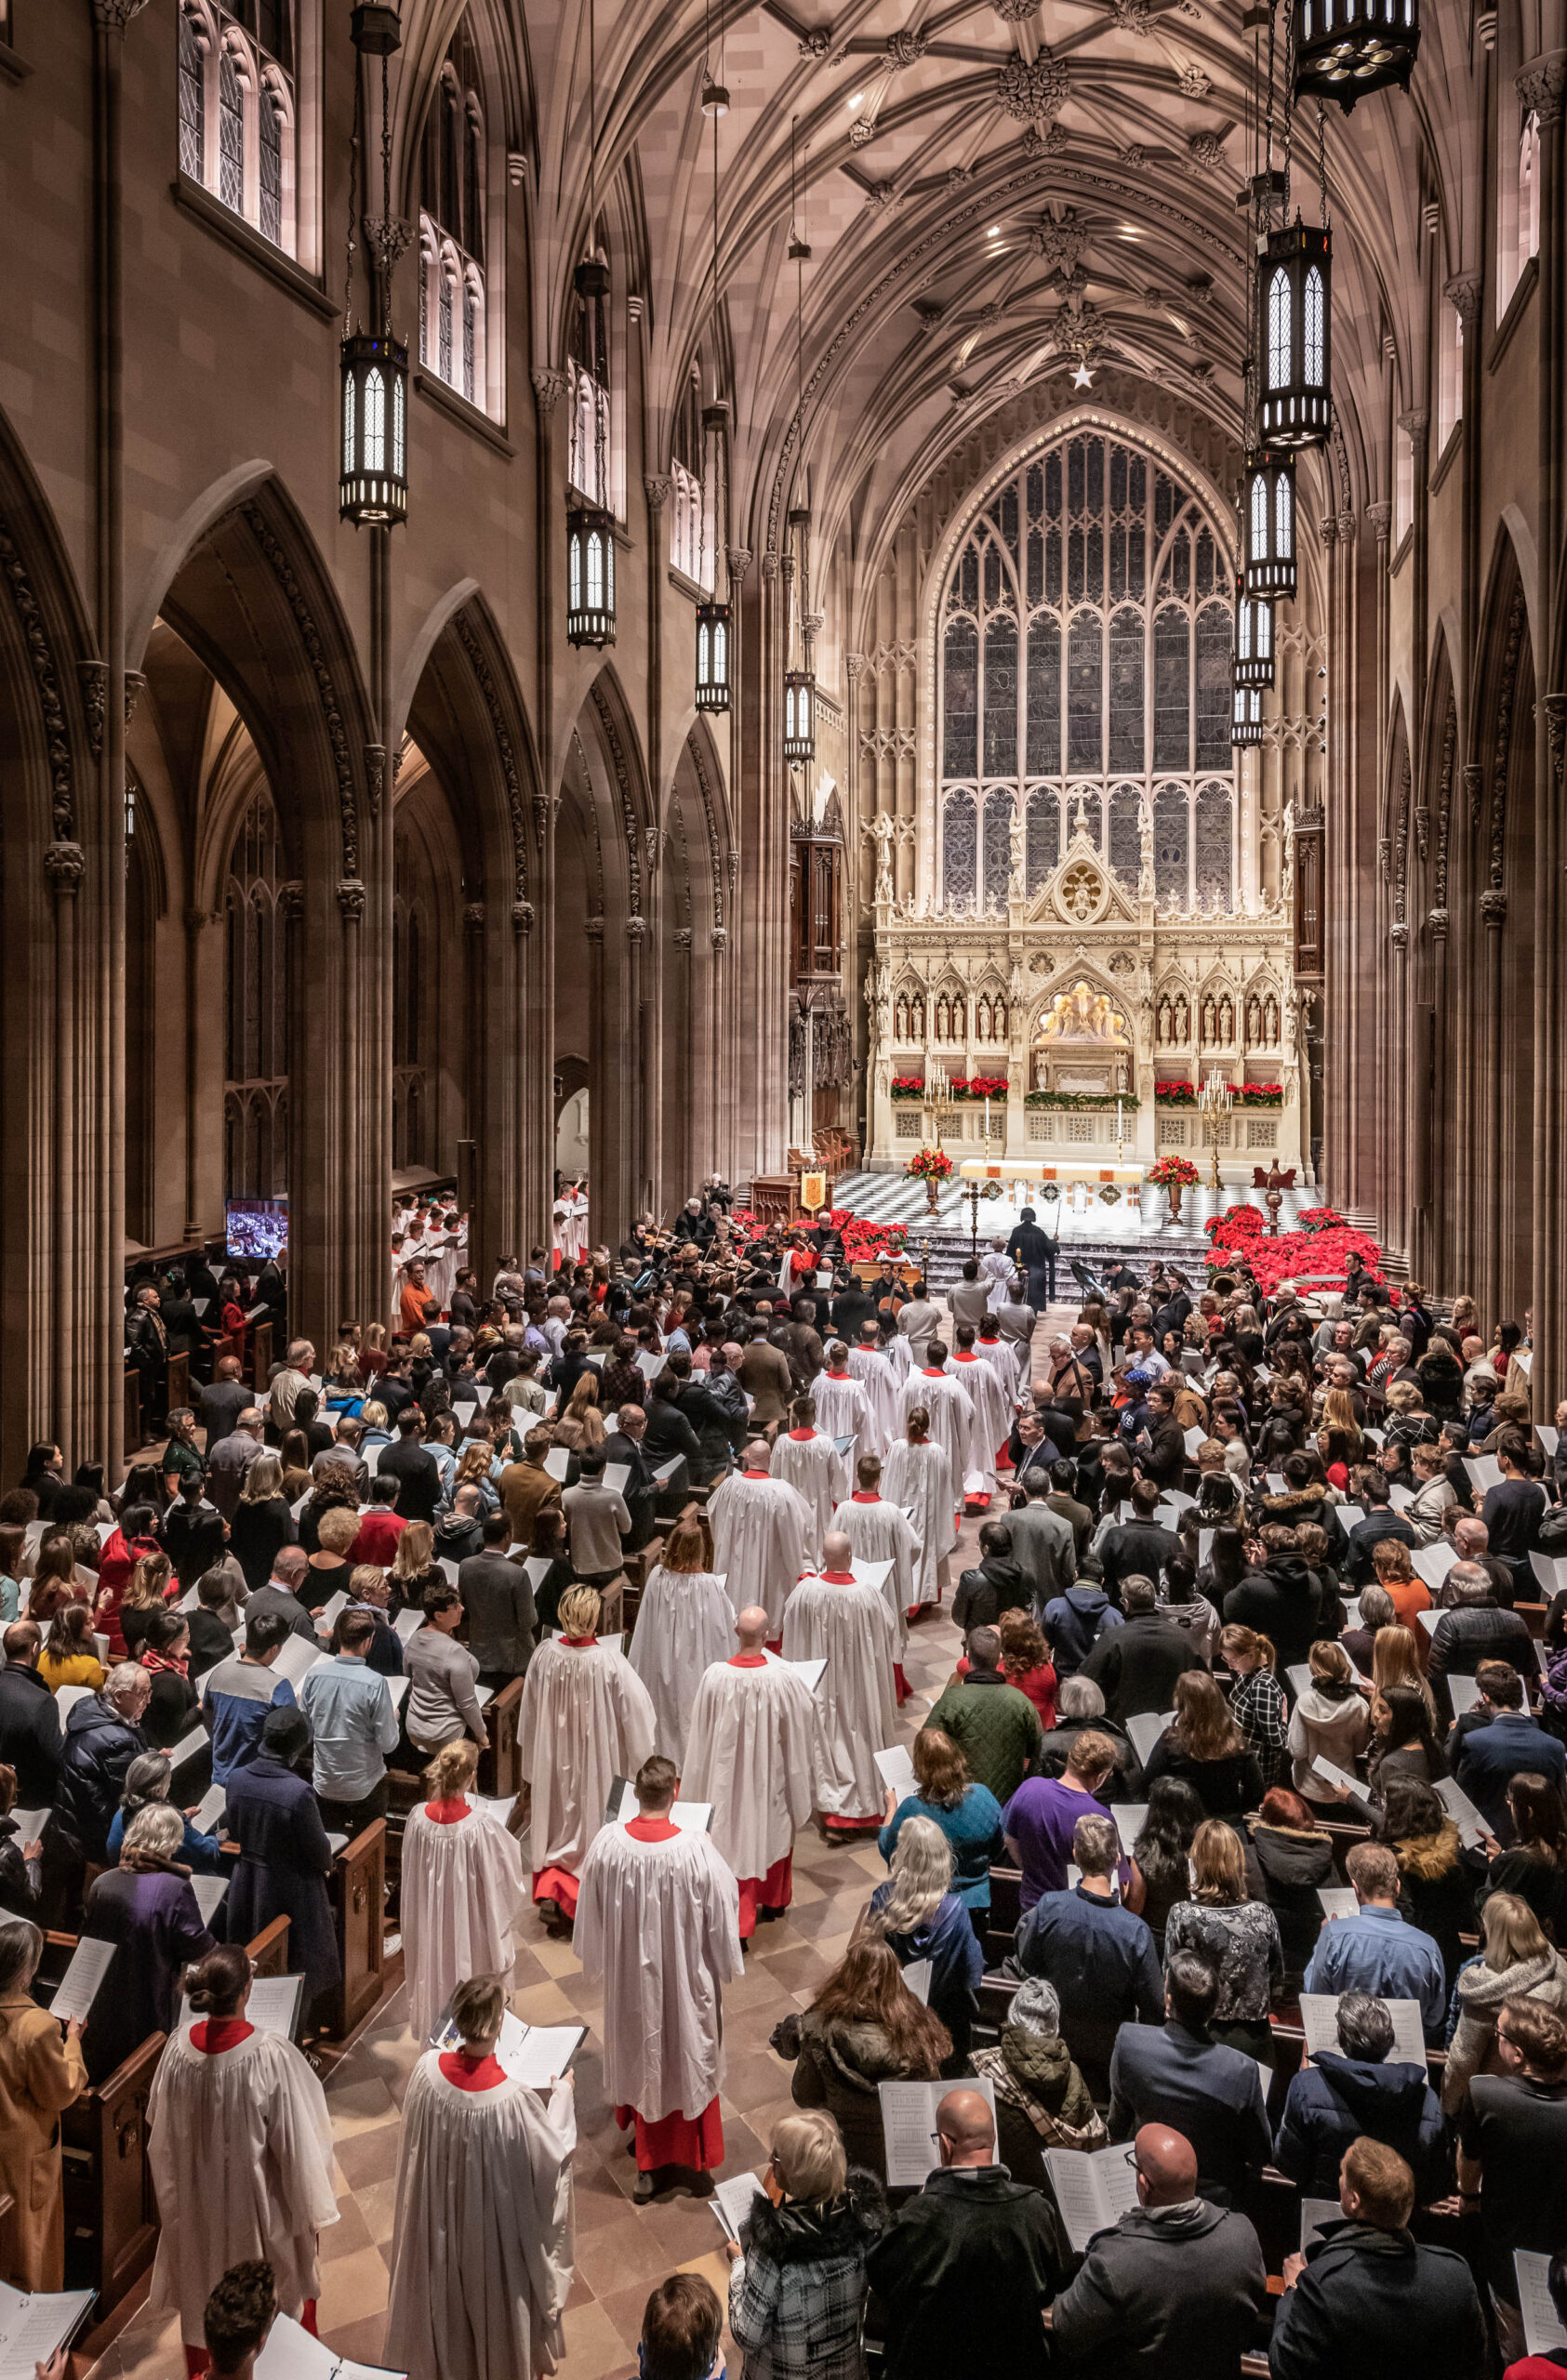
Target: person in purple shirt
{"x": 1038, "y": 1820}
{"x": 145, "y": 1906}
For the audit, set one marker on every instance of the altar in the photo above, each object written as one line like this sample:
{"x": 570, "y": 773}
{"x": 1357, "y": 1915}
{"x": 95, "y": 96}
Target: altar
{"x": 1025, "y": 1179}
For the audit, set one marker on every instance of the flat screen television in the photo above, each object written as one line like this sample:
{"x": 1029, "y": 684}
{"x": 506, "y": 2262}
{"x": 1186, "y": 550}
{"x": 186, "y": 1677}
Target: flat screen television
{"x": 257, "y": 1228}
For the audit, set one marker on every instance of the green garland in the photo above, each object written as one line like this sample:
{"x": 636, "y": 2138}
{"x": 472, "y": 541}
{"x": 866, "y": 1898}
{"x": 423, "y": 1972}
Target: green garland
{"x": 1081, "y": 1099}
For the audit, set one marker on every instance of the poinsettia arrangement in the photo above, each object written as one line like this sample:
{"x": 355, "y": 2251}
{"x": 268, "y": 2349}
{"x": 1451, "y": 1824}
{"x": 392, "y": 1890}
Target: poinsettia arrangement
{"x": 1320, "y": 1255}
{"x": 929, "y": 1165}
{"x": 1259, "y": 1094}
{"x": 1172, "y": 1172}
{"x": 1176, "y": 1095}
{"x": 1318, "y": 1219}
{"x": 978, "y": 1087}
{"x": 908, "y": 1087}
{"x": 1241, "y": 1221}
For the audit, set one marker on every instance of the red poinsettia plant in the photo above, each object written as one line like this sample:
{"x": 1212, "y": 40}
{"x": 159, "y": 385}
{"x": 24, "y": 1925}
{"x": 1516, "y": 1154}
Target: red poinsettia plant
{"x": 1259, "y": 1094}
{"x": 1240, "y": 1219}
{"x": 1176, "y": 1095}
{"x": 1309, "y": 1257}
{"x": 1179, "y": 1172}
{"x": 863, "y": 1238}
{"x": 1318, "y": 1219}
{"x": 908, "y": 1087}
{"x": 978, "y": 1087}
{"x": 929, "y": 1165}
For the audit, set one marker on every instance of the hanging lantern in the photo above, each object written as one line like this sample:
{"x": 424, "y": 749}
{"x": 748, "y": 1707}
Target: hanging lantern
{"x": 712, "y": 617}
{"x": 373, "y": 487}
{"x": 799, "y": 678}
{"x": 590, "y": 524}
{"x": 1345, "y": 48}
{"x": 1253, "y": 639}
{"x": 1296, "y": 277}
{"x": 1269, "y": 509}
{"x": 1245, "y": 717}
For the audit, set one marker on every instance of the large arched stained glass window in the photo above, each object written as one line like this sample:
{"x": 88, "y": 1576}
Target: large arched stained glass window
{"x": 1084, "y": 663}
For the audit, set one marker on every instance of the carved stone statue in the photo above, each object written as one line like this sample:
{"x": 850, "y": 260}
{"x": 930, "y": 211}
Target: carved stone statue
{"x": 1145, "y": 845}
{"x": 1018, "y": 838}
{"x": 884, "y": 829}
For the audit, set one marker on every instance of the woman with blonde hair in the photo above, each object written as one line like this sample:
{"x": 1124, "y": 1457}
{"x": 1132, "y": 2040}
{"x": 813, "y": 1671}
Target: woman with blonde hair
{"x": 918, "y": 1475}
{"x": 1330, "y": 1720}
{"x": 146, "y": 1592}
{"x": 1256, "y": 1699}
{"x": 1239, "y": 1937}
{"x": 968, "y": 1815}
{"x": 686, "y": 1623}
{"x": 580, "y": 1427}
{"x": 585, "y": 1719}
{"x": 262, "y": 1524}
{"x": 474, "y": 1466}
{"x": 414, "y": 1568}
{"x": 463, "y": 1888}
{"x": 919, "y": 1915}
{"x": 329, "y": 1566}
{"x": 1517, "y": 1962}
{"x": 797, "y": 2282}
{"x": 1204, "y": 1745}
{"x": 1395, "y": 1660}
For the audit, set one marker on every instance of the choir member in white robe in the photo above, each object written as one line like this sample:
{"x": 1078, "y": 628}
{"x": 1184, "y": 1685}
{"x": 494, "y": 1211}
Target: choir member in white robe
{"x": 878, "y": 1531}
{"x": 762, "y": 1535}
{"x": 843, "y": 1407}
{"x": 832, "y": 1617}
{"x": 899, "y": 1354}
{"x": 481, "y": 2249}
{"x": 808, "y": 1460}
{"x": 1002, "y": 1356}
{"x": 441, "y": 1264}
{"x": 995, "y": 1268}
{"x": 918, "y": 1474}
{"x": 684, "y": 1623}
{"x": 239, "y": 2145}
{"x": 994, "y": 1411}
{"x": 573, "y": 1236}
{"x": 871, "y": 1365}
{"x": 951, "y": 1408}
{"x": 755, "y": 1750}
{"x": 464, "y": 1889}
{"x": 585, "y": 1719}
{"x": 657, "y": 1924}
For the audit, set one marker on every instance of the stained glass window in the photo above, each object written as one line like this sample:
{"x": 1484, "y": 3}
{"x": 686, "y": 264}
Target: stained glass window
{"x": 192, "y": 99}
{"x": 231, "y": 133}
{"x": 1062, "y": 683}
{"x": 1214, "y": 867}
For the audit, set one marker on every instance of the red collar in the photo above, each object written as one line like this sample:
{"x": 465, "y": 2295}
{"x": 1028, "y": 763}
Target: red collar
{"x": 801, "y": 1434}
{"x": 577, "y": 1641}
{"x": 747, "y": 1661}
{"x": 471, "y": 2073}
{"x": 215, "y": 2033}
{"x": 960, "y": 1357}
{"x": 447, "y": 1813}
{"x": 756, "y": 1475}
{"x": 930, "y": 1372}
{"x": 859, "y": 1496}
{"x": 839, "y": 1577}
{"x": 653, "y": 1829}
{"x": 837, "y": 1375}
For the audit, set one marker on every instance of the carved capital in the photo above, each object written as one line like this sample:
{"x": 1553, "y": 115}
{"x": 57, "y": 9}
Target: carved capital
{"x": 1330, "y": 529}
{"x": 1414, "y": 424}
{"x": 1494, "y": 910}
{"x": 769, "y": 566}
{"x": 291, "y": 901}
{"x": 64, "y": 865}
{"x": 593, "y": 928}
{"x": 1438, "y": 921}
{"x": 1542, "y": 86}
{"x": 549, "y": 387}
{"x": 350, "y": 899}
{"x": 473, "y": 916}
{"x": 1381, "y": 519}
{"x": 522, "y": 916}
{"x": 1555, "y": 708}
{"x": 115, "y": 15}
{"x": 681, "y": 937}
{"x": 1346, "y": 528}
{"x": 739, "y": 558}
{"x": 1474, "y": 790}
{"x": 856, "y": 664}
{"x": 636, "y": 931}
{"x": 719, "y": 937}
{"x": 1462, "y": 293}
{"x": 657, "y": 488}
{"x": 375, "y": 777}
{"x": 1399, "y": 936}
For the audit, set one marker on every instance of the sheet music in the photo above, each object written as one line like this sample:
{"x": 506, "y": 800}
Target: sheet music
{"x": 298, "y": 1506}
{"x": 1351, "y": 1514}
{"x": 188, "y": 1746}
{"x": 1464, "y": 1693}
{"x": 1484, "y": 1471}
{"x": 535, "y": 1569}
{"x": 209, "y": 1809}
{"x": 1432, "y": 1563}
{"x": 1319, "y": 2016}
{"x": 917, "y": 1976}
{"x": 616, "y": 1474}
{"x": 462, "y": 1414}
{"x": 544, "y": 2053}
{"x": 1543, "y": 2330}
{"x": 448, "y": 1569}
{"x": 1399, "y": 1498}
{"x": 1145, "y": 1727}
{"x": 1377, "y": 1437}
{"x": 1551, "y": 1571}
{"x": 331, "y": 1607}
{"x": 732, "y": 2202}
{"x": 908, "y": 2125}
{"x": 1179, "y": 1499}
{"x": 397, "y": 1687}
{"x": 32, "y": 2326}
{"x": 208, "y": 1891}
{"x": 78, "y": 1986}
{"x": 842, "y": 1445}
{"x": 897, "y": 1771}
{"x": 1338, "y": 1900}
{"x": 1546, "y": 1437}
{"x": 1336, "y": 1776}
{"x": 1093, "y": 2190}
{"x": 1314, "y": 2213}
{"x": 1130, "y": 1817}
{"x": 1276, "y": 1484}
{"x": 871, "y": 1574}
{"x": 665, "y": 1472}
{"x": 1462, "y": 1811}
{"x": 335, "y": 1842}
{"x": 1194, "y": 1439}
{"x": 557, "y": 1463}
{"x": 30, "y": 1824}
{"x": 1204, "y": 1543}
{"x": 482, "y": 1391}
{"x": 299, "y": 1656}
{"x": 810, "y": 1671}
{"x": 409, "y": 1624}
{"x": 66, "y": 1700}
{"x": 649, "y": 1366}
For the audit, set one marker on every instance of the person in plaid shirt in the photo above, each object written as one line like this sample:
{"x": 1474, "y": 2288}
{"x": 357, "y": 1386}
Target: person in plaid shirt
{"x": 797, "y": 2286}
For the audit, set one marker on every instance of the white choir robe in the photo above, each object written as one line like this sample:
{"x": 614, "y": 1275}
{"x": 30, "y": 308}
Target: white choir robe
{"x": 684, "y": 1623}
{"x": 240, "y": 2149}
{"x": 657, "y": 1924}
{"x": 585, "y": 1719}
{"x": 920, "y": 1478}
{"x": 843, "y": 1412}
{"x": 994, "y": 1413}
{"x": 755, "y": 1749}
{"x": 441, "y": 1272}
{"x": 951, "y": 1419}
{"x": 900, "y": 1354}
{"x": 880, "y": 1532}
{"x": 558, "y": 1230}
{"x": 762, "y": 1533}
{"x": 1003, "y": 1359}
{"x": 812, "y": 1464}
{"x": 852, "y": 1627}
{"x": 575, "y": 1238}
{"x": 881, "y": 1383}
{"x": 464, "y": 1891}
{"x": 481, "y": 2252}
{"x": 998, "y": 1270}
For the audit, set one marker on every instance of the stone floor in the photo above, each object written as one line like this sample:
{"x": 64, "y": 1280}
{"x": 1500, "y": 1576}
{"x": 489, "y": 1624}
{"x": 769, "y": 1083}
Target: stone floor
{"x": 621, "y": 2249}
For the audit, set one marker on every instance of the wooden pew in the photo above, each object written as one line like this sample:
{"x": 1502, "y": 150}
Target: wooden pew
{"x": 357, "y": 1886}
{"x": 499, "y": 1777}
{"x": 1006, "y": 1909}
{"x": 179, "y": 1381}
{"x": 261, "y": 1357}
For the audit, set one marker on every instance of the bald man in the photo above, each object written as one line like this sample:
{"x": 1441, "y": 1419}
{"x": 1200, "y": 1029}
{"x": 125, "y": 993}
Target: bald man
{"x": 964, "y": 2271}
{"x": 1175, "y": 2286}
{"x": 755, "y": 1749}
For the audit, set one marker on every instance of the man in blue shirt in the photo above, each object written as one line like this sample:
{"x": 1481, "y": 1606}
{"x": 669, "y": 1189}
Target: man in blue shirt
{"x": 1098, "y": 1955}
{"x": 239, "y": 1692}
{"x": 1487, "y": 1759}
{"x": 1375, "y": 1950}
{"x": 354, "y": 1719}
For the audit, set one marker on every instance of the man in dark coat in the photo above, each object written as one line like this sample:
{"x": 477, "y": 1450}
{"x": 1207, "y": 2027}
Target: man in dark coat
{"x": 30, "y": 1736}
{"x": 1036, "y": 1251}
{"x": 1136, "y": 1666}
{"x": 963, "y": 2272}
{"x": 1338, "y": 2098}
{"x": 284, "y": 1854}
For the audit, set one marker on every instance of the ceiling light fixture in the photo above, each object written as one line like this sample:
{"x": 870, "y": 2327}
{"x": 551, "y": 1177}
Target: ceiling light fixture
{"x": 1082, "y": 377}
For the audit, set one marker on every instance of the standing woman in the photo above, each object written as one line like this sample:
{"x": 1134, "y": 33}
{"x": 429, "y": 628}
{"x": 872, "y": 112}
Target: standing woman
{"x": 239, "y": 2147}
{"x": 919, "y": 1916}
{"x": 797, "y": 2284}
{"x": 40, "y": 2074}
{"x": 481, "y": 2258}
{"x": 263, "y": 1525}
{"x": 1256, "y": 1699}
{"x": 463, "y": 1889}
{"x": 686, "y": 1623}
{"x": 146, "y": 1908}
